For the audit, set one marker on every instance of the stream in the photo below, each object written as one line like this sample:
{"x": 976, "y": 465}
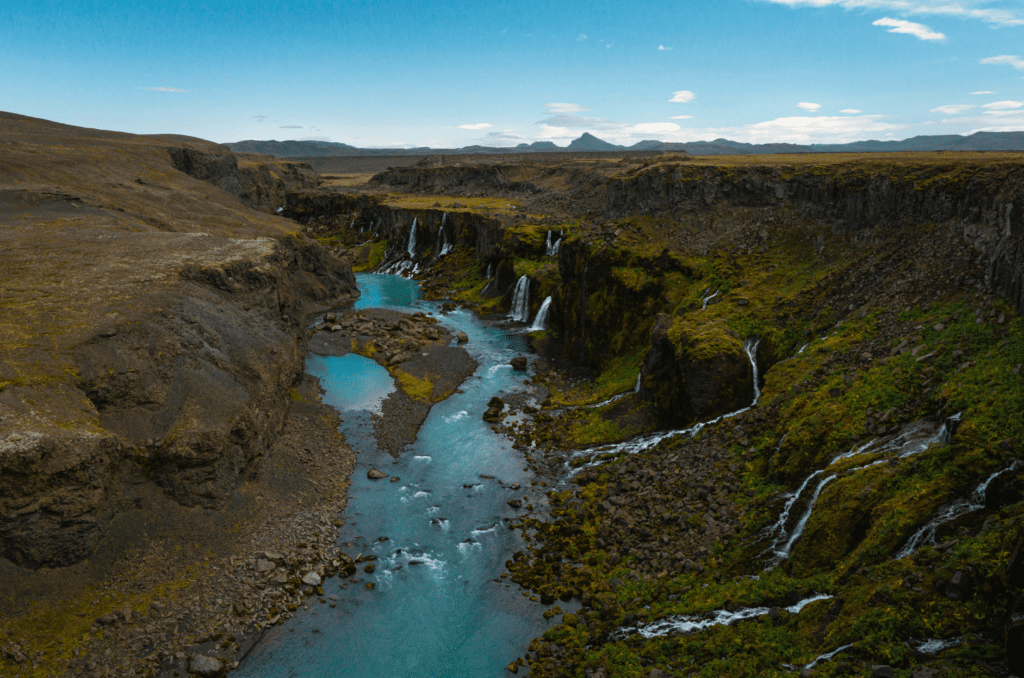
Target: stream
{"x": 438, "y": 606}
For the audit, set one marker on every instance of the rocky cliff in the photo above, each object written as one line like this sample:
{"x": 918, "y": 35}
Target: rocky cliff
{"x": 154, "y": 327}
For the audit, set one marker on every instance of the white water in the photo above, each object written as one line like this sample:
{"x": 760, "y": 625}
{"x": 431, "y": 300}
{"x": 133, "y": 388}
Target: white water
{"x": 914, "y": 439}
{"x": 552, "y": 247}
{"x": 490, "y": 271}
{"x": 691, "y": 623}
{"x": 615, "y": 398}
{"x": 951, "y": 512}
{"x": 443, "y": 247}
{"x": 412, "y": 240}
{"x": 706, "y": 299}
{"x": 540, "y": 323}
{"x": 828, "y": 655}
{"x": 644, "y": 443}
{"x": 521, "y": 300}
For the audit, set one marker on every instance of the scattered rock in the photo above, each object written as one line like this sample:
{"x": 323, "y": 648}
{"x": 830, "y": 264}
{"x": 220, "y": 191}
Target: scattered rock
{"x": 374, "y": 474}
{"x": 496, "y": 402}
{"x": 515, "y": 503}
{"x": 312, "y": 579}
{"x": 462, "y": 337}
{"x": 492, "y": 414}
{"x": 881, "y": 671}
{"x": 518, "y": 364}
{"x": 264, "y": 566}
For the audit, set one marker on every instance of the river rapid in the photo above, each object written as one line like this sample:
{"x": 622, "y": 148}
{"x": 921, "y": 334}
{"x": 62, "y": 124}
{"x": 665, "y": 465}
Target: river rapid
{"x": 439, "y": 606}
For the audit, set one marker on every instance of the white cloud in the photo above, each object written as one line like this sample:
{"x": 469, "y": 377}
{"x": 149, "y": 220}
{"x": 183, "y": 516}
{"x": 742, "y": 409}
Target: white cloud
{"x": 581, "y": 37}
{"x": 909, "y": 28}
{"x": 477, "y": 125}
{"x": 952, "y": 109}
{"x": 962, "y": 9}
{"x": 985, "y": 92}
{"x": 165, "y": 89}
{"x": 315, "y": 139}
{"x": 822, "y": 129}
{"x": 290, "y": 127}
{"x": 1008, "y": 59}
{"x": 989, "y": 121}
{"x": 564, "y": 108}
{"x": 259, "y": 118}
{"x": 807, "y": 106}
{"x": 662, "y": 48}
{"x": 682, "y": 117}
{"x": 682, "y": 97}
{"x": 850, "y": 111}
{"x": 1003, "y": 105}
{"x": 656, "y": 127}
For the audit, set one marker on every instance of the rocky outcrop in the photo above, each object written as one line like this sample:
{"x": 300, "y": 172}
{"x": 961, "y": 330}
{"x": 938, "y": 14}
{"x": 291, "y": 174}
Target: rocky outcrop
{"x": 694, "y": 372}
{"x": 182, "y": 397}
{"x": 479, "y": 232}
{"x": 983, "y": 204}
{"x": 262, "y": 184}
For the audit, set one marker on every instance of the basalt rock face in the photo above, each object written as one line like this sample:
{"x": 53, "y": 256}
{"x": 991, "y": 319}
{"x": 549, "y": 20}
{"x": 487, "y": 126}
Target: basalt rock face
{"x": 694, "y": 373}
{"x": 607, "y": 300}
{"x": 259, "y": 185}
{"x": 446, "y": 179}
{"x": 394, "y": 224}
{"x": 982, "y": 204}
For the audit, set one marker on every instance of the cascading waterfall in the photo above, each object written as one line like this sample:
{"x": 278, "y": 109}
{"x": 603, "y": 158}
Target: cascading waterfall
{"x": 708, "y": 298}
{"x": 913, "y": 440}
{"x": 540, "y": 323}
{"x": 521, "y": 300}
{"x": 551, "y": 246}
{"x": 692, "y": 623}
{"x": 444, "y": 247}
{"x": 412, "y": 240}
{"x": 490, "y": 270}
{"x": 957, "y": 509}
{"x": 644, "y": 443}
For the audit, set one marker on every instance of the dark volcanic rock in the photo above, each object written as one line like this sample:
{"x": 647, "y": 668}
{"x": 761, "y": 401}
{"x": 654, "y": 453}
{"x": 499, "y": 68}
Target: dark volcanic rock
{"x": 695, "y": 374}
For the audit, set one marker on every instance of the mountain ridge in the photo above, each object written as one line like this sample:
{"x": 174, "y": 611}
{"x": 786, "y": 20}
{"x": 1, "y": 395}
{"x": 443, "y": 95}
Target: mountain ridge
{"x": 979, "y": 141}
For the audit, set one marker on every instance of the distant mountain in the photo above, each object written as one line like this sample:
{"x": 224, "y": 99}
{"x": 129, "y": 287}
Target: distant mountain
{"x": 588, "y": 142}
{"x": 979, "y": 141}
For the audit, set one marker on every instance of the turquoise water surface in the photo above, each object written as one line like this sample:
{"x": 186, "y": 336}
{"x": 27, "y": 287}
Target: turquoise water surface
{"x": 439, "y": 607}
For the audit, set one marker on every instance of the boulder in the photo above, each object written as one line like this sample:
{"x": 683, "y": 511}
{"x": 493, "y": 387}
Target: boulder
{"x": 492, "y": 414}
{"x": 462, "y": 337}
{"x": 518, "y": 364}
{"x": 695, "y": 371}
{"x": 312, "y": 579}
{"x": 207, "y": 667}
{"x": 496, "y": 402}
{"x": 374, "y": 474}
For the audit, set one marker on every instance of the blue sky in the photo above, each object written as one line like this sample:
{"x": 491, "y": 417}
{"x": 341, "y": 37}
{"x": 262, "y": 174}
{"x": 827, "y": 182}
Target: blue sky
{"x": 446, "y": 74}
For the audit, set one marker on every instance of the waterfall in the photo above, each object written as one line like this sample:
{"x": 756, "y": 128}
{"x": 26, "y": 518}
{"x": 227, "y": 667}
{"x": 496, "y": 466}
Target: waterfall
{"x": 551, "y": 247}
{"x": 708, "y": 298}
{"x": 913, "y": 440}
{"x": 951, "y": 512}
{"x": 540, "y": 323}
{"x": 783, "y": 553}
{"x": 412, "y": 240}
{"x": 646, "y": 442}
{"x": 521, "y": 300}
{"x": 445, "y": 247}
{"x": 490, "y": 270}
{"x": 693, "y": 622}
